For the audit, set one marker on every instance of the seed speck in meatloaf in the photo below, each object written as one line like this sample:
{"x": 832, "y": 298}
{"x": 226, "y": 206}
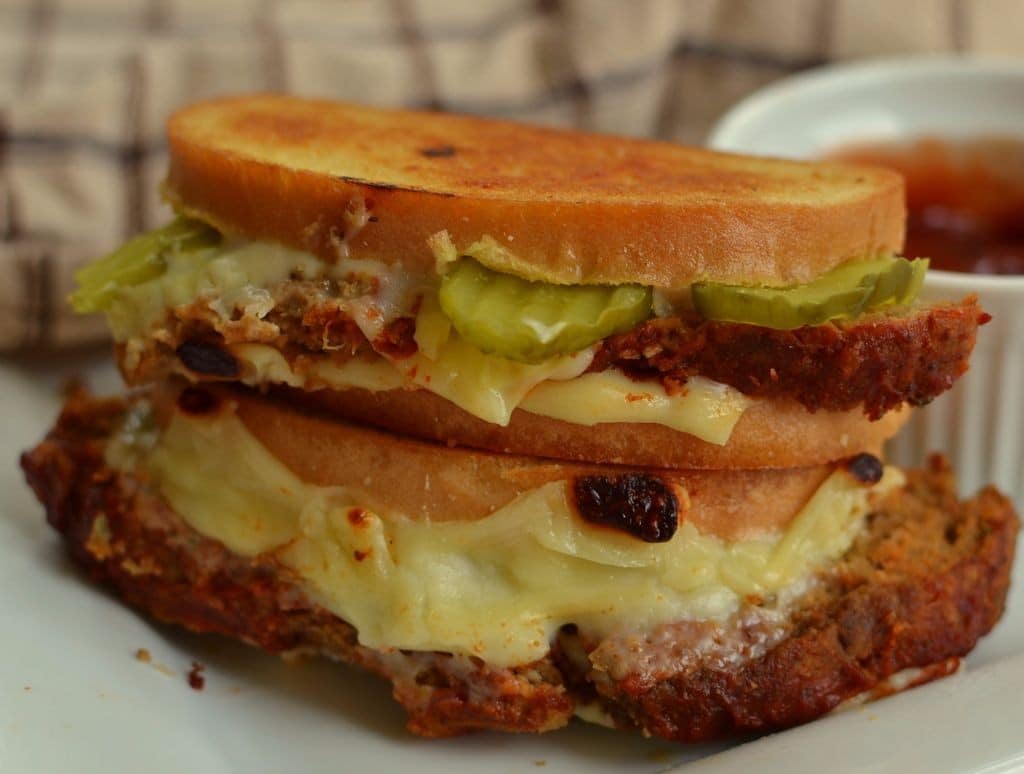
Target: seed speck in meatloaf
{"x": 925, "y": 579}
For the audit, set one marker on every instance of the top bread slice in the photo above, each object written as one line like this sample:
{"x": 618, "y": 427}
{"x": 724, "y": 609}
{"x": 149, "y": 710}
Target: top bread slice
{"x": 568, "y": 207}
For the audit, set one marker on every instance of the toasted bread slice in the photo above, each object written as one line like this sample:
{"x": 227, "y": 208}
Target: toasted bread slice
{"x": 926, "y": 578}
{"x": 770, "y": 434}
{"x": 569, "y": 207}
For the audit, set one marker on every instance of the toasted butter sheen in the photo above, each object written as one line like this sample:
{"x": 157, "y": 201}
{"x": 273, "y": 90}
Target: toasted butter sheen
{"x": 499, "y": 587}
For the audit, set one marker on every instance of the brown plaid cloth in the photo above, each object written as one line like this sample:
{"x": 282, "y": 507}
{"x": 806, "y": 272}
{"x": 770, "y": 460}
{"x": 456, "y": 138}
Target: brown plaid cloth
{"x": 85, "y": 86}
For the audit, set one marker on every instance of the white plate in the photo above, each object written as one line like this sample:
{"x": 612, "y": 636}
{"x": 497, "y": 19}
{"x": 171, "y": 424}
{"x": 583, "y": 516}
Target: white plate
{"x": 73, "y": 698}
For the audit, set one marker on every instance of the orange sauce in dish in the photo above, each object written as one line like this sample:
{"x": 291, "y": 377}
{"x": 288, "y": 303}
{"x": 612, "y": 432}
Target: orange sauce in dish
{"x": 965, "y": 200}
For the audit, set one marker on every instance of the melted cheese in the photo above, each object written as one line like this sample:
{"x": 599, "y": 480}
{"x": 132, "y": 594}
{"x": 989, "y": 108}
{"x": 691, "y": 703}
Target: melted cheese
{"x": 486, "y": 386}
{"x": 499, "y": 587}
{"x": 236, "y": 281}
{"x": 262, "y": 364}
{"x": 706, "y": 409}
{"x": 231, "y": 281}
{"x": 491, "y": 388}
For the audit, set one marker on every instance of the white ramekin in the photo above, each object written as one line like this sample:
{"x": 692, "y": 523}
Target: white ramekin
{"x": 979, "y": 424}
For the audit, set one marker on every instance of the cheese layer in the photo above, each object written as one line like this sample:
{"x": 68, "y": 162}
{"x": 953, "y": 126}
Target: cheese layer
{"x": 492, "y": 390}
{"x": 236, "y": 281}
{"x": 707, "y": 409}
{"x": 499, "y": 587}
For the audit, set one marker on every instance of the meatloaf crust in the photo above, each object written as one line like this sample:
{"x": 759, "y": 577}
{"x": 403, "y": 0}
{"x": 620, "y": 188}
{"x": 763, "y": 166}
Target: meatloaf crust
{"x": 926, "y": 578}
{"x": 878, "y": 361}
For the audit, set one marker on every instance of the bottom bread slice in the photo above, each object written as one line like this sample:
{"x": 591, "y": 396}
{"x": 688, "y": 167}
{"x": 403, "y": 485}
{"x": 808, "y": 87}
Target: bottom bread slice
{"x": 924, "y": 580}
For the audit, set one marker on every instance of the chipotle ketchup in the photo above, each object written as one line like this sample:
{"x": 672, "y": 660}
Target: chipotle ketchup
{"x": 965, "y": 201}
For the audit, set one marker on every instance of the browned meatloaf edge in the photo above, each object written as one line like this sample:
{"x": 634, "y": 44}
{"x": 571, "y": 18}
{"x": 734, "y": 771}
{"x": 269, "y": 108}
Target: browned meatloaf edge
{"x": 927, "y": 577}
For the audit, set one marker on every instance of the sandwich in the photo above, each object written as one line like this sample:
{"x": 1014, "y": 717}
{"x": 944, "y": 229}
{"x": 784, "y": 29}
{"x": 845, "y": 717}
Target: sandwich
{"x": 532, "y": 423}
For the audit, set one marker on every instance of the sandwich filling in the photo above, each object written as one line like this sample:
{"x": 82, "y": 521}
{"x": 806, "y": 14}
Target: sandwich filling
{"x": 498, "y": 587}
{"x": 236, "y": 284}
{"x": 488, "y": 342}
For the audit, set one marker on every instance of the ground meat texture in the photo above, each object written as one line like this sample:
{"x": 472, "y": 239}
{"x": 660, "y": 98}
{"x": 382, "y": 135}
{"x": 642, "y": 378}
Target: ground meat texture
{"x": 396, "y": 340}
{"x": 878, "y": 361}
{"x": 924, "y": 580}
{"x": 321, "y": 327}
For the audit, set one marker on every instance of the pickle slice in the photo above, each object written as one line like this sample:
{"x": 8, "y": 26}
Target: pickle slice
{"x": 532, "y": 321}
{"x": 140, "y": 259}
{"x": 845, "y": 292}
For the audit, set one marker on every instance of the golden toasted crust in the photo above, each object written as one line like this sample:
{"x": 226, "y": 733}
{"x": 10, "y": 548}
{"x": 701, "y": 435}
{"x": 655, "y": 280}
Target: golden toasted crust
{"x": 770, "y": 434}
{"x": 572, "y": 207}
{"x": 424, "y": 480}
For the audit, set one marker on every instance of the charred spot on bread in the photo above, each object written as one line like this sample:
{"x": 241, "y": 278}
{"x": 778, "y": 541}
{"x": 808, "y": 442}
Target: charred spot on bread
{"x": 379, "y": 186}
{"x": 208, "y": 358}
{"x": 640, "y": 505}
{"x": 866, "y": 468}
{"x": 438, "y": 152}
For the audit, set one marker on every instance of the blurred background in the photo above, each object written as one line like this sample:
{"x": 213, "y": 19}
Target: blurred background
{"x": 85, "y": 86}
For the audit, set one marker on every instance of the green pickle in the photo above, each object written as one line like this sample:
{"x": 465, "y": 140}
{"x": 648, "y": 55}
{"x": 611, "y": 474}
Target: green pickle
{"x": 845, "y": 292}
{"x": 142, "y": 258}
{"x": 533, "y": 321}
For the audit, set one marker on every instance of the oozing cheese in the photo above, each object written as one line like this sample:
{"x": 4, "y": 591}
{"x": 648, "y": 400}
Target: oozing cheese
{"x": 486, "y": 386}
{"x": 262, "y": 364}
{"x": 236, "y": 278}
{"x": 706, "y": 409}
{"x": 491, "y": 388}
{"x": 499, "y": 587}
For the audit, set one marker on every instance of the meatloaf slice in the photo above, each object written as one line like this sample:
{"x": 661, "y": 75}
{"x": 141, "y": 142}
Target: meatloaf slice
{"x": 875, "y": 363}
{"x": 927, "y": 577}
{"x": 878, "y": 361}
